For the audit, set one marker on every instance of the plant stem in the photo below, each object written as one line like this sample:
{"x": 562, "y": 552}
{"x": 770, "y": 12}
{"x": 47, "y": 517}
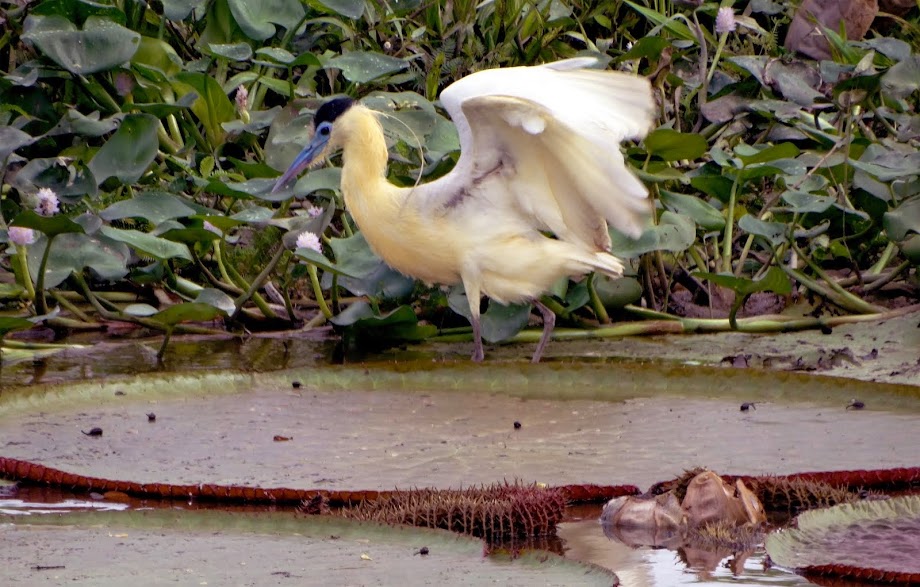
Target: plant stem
{"x": 599, "y": 310}
{"x": 730, "y": 226}
{"x": 256, "y": 284}
{"x": 318, "y": 292}
{"x": 22, "y": 260}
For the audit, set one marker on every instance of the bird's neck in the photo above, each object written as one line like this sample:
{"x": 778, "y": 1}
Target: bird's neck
{"x": 364, "y": 155}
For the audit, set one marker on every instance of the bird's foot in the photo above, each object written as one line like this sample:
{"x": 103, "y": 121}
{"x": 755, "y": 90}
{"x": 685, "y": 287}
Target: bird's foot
{"x": 478, "y": 355}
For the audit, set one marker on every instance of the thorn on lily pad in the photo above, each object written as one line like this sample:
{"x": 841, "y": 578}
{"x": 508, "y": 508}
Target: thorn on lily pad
{"x": 855, "y": 404}
{"x": 93, "y": 432}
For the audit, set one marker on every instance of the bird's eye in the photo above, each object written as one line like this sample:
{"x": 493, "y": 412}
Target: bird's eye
{"x": 324, "y": 130}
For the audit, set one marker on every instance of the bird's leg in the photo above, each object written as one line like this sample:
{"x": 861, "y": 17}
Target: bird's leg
{"x": 478, "y": 352}
{"x": 549, "y": 322}
{"x": 473, "y": 297}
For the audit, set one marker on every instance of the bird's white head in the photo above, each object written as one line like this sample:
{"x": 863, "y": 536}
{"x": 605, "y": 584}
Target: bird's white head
{"x": 321, "y": 142}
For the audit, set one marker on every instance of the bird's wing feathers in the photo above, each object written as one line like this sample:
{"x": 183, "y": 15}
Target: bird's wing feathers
{"x": 553, "y": 132}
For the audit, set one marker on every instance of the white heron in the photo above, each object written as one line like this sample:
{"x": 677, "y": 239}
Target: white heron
{"x": 540, "y": 175}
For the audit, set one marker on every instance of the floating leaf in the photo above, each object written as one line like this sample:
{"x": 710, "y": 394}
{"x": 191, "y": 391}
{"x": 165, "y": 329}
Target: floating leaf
{"x": 774, "y": 280}
{"x": 100, "y": 46}
{"x": 74, "y": 252}
{"x": 674, "y": 232}
{"x": 364, "y": 66}
{"x": 257, "y": 18}
{"x": 70, "y": 180}
{"x": 231, "y": 51}
{"x": 775, "y": 232}
{"x": 129, "y": 152}
{"x": 670, "y": 145}
{"x": 499, "y": 322}
{"x": 903, "y": 79}
{"x": 700, "y": 211}
{"x": 903, "y": 220}
{"x": 12, "y": 138}
{"x": 156, "y": 207}
{"x": 804, "y": 202}
{"x": 348, "y": 8}
{"x": 147, "y": 244}
{"x": 216, "y": 298}
{"x": 49, "y": 225}
{"x": 398, "y": 325}
{"x": 873, "y": 540}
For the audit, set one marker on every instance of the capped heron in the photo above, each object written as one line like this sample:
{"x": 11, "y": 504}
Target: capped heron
{"x": 540, "y": 154}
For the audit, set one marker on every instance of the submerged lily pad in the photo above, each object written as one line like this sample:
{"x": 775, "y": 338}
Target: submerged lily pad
{"x": 220, "y": 548}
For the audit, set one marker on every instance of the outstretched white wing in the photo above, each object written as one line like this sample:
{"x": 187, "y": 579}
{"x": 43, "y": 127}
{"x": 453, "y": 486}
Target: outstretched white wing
{"x": 552, "y": 134}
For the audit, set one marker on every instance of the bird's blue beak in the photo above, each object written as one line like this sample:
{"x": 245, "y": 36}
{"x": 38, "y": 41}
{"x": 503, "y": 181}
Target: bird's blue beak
{"x": 303, "y": 160}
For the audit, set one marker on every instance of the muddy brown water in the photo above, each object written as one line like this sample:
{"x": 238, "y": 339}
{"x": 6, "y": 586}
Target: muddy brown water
{"x": 418, "y": 419}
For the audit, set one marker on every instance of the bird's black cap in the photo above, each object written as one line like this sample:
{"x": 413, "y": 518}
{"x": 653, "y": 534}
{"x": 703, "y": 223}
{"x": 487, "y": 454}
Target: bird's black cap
{"x": 331, "y": 110}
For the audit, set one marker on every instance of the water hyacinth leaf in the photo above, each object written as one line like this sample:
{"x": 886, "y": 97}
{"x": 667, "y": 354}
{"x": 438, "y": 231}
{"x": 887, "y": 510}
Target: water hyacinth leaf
{"x": 231, "y": 51}
{"x": 347, "y": 8}
{"x": 258, "y": 120}
{"x": 774, "y": 280}
{"x": 327, "y": 178}
{"x": 70, "y": 180}
{"x": 12, "y": 138}
{"x": 752, "y": 155}
{"x": 129, "y": 152}
{"x": 717, "y": 186}
{"x": 774, "y": 232}
{"x": 77, "y": 11}
{"x": 354, "y": 255}
{"x": 154, "y": 54}
{"x": 804, "y": 202}
{"x": 364, "y": 66}
{"x": 74, "y": 122}
{"x": 218, "y": 299}
{"x": 903, "y": 220}
{"x": 499, "y": 322}
{"x": 50, "y": 226}
{"x": 617, "y": 293}
{"x": 674, "y": 232}
{"x": 701, "y": 212}
{"x": 147, "y": 244}
{"x": 319, "y": 260}
{"x": 255, "y": 215}
{"x": 902, "y": 79}
{"x": 161, "y": 110}
{"x": 400, "y": 324}
{"x": 100, "y": 46}
{"x": 257, "y": 19}
{"x": 178, "y": 10}
{"x": 73, "y": 252}
{"x": 670, "y": 145}
{"x": 157, "y": 207}
{"x": 212, "y": 107}
{"x": 277, "y": 54}
{"x": 188, "y": 312}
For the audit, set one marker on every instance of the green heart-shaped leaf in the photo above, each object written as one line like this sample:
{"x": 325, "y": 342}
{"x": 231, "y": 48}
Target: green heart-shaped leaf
{"x": 100, "y": 46}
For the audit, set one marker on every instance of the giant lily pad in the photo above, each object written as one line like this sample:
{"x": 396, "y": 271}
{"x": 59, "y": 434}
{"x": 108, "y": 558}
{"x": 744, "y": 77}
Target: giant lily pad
{"x": 222, "y": 548}
{"x": 876, "y": 540}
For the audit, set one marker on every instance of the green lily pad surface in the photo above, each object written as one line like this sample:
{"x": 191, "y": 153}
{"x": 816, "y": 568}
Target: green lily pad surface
{"x": 217, "y": 548}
